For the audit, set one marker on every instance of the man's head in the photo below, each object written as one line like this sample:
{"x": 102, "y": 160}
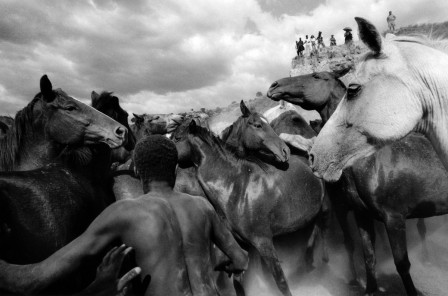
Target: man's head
{"x": 390, "y": 12}
{"x": 155, "y": 159}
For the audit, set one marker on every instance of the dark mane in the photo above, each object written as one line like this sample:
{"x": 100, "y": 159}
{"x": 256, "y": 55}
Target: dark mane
{"x": 105, "y": 100}
{"x": 227, "y": 150}
{"x": 12, "y": 144}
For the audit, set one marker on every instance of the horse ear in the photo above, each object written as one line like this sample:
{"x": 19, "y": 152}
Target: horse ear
{"x": 94, "y": 96}
{"x": 192, "y": 127}
{"x": 138, "y": 119}
{"x": 46, "y": 89}
{"x": 244, "y": 109}
{"x": 369, "y": 35}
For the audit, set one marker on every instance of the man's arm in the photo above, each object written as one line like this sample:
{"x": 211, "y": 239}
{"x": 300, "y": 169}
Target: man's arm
{"x": 223, "y": 238}
{"x": 34, "y": 277}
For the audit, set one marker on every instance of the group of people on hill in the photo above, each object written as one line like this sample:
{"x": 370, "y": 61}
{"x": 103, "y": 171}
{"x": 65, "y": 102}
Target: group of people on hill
{"x": 310, "y": 48}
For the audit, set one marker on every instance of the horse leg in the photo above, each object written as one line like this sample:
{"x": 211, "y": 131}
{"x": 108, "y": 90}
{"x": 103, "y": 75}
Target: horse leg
{"x": 341, "y": 214}
{"x": 309, "y": 253}
{"x": 324, "y": 224}
{"x": 267, "y": 252}
{"x": 396, "y": 230}
{"x": 421, "y": 226}
{"x": 367, "y": 232}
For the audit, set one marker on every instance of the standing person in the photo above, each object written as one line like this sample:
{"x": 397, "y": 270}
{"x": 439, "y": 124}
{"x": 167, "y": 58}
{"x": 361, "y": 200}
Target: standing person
{"x": 348, "y": 37}
{"x": 391, "y": 21}
{"x": 169, "y": 231}
{"x": 299, "y": 47}
{"x": 307, "y": 46}
{"x": 320, "y": 41}
{"x": 332, "y": 41}
{"x": 313, "y": 43}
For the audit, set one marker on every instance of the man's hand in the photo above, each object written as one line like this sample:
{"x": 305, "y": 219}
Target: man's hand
{"x": 106, "y": 281}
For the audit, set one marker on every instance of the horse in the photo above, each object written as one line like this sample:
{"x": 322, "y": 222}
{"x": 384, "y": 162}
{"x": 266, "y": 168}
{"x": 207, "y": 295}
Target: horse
{"x": 355, "y": 190}
{"x": 50, "y": 123}
{"x": 46, "y": 208}
{"x": 258, "y": 200}
{"x": 154, "y": 124}
{"x": 399, "y": 86}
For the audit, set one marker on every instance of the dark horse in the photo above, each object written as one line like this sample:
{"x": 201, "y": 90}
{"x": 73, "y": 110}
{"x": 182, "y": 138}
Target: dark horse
{"x": 44, "y": 209}
{"x": 51, "y": 122}
{"x": 258, "y": 200}
{"x": 402, "y": 180}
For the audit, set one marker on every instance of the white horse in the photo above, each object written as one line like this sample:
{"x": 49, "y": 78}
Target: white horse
{"x": 400, "y": 85}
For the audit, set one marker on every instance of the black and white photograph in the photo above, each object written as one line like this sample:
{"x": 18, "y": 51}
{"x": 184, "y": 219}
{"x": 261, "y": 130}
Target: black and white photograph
{"x": 224, "y": 147}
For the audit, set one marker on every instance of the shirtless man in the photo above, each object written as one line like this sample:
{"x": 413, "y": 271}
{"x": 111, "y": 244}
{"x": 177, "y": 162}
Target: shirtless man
{"x": 199, "y": 223}
{"x": 151, "y": 227}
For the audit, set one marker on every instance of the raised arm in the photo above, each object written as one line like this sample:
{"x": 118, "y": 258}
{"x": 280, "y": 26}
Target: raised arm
{"x": 223, "y": 238}
{"x": 35, "y": 277}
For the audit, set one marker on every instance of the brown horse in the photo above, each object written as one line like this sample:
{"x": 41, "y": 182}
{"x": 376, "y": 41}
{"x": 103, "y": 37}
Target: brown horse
{"x": 50, "y": 123}
{"x": 257, "y": 199}
{"x": 155, "y": 124}
{"x": 44, "y": 209}
{"x": 406, "y": 170}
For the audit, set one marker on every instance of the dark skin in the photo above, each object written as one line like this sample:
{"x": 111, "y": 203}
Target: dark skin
{"x": 200, "y": 225}
{"x": 147, "y": 224}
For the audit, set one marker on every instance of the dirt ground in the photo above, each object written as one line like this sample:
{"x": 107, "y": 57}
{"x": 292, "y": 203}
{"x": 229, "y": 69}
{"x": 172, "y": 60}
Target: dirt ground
{"x": 430, "y": 278}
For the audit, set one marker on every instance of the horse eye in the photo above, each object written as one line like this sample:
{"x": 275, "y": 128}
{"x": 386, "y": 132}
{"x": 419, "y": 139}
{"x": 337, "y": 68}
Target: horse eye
{"x": 353, "y": 90}
{"x": 257, "y": 125}
{"x": 70, "y": 108}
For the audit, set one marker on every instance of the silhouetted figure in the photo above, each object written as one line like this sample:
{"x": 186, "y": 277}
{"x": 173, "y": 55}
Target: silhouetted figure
{"x": 299, "y": 47}
{"x": 391, "y": 21}
{"x": 332, "y": 41}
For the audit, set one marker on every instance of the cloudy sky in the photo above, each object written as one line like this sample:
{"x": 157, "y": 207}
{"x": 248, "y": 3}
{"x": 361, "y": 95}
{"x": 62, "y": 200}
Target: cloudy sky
{"x": 163, "y": 56}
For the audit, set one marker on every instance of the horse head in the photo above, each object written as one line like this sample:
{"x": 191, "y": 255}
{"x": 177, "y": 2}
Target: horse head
{"x": 151, "y": 124}
{"x": 71, "y": 122}
{"x": 395, "y": 90}
{"x": 310, "y": 91}
{"x": 109, "y": 104}
{"x": 252, "y": 134}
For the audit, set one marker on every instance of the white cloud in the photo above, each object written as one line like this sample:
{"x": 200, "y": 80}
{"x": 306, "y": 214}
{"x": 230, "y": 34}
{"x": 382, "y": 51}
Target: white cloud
{"x": 173, "y": 55}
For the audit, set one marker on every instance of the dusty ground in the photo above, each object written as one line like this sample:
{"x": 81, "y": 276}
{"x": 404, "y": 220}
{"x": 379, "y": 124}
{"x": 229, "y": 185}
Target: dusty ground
{"x": 430, "y": 278}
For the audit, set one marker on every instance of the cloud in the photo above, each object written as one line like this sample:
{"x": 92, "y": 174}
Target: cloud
{"x": 171, "y": 55}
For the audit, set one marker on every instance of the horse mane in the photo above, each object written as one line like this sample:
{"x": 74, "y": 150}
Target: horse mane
{"x": 105, "y": 100}
{"x": 225, "y": 148}
{"x": 436, "y": 43}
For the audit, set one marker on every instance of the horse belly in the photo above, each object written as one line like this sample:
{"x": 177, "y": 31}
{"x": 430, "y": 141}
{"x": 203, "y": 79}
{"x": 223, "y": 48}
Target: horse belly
{"x": 406, "y": 177}
{"x": 299, "y": 200}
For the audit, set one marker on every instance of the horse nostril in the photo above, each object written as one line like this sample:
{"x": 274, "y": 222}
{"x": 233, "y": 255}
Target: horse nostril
{"x": 120, "y": 132}
{"x": 311, "y": 160}
{"x": 274, "y": 84}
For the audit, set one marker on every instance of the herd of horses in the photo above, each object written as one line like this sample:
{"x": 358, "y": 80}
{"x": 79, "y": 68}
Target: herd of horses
{"x": 380, "y": 151}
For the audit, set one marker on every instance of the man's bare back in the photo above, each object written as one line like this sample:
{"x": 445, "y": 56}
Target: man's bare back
{"x": 200, "y": 225}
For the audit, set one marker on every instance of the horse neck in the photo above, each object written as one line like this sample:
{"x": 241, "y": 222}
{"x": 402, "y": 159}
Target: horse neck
{"x": 27, "y": 150}
{"x": 336, "y": 95}
{"x": 218, "y": 171}
{"x": 37, "y": 153}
